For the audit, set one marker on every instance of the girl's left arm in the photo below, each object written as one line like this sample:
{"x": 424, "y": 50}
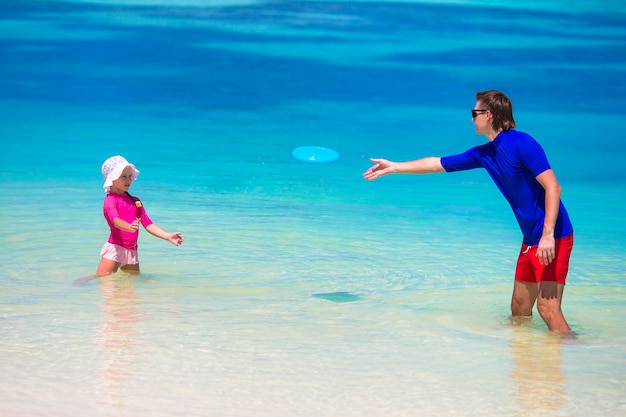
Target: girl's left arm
{"x": 175, "y": 238}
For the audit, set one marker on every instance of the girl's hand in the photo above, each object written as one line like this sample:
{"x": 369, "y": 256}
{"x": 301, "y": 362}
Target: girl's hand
{"x": 176, "y": 238}
{"x": 134, "y": 226}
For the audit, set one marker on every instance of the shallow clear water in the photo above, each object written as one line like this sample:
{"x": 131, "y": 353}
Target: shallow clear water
{"x": 301, "y": 289}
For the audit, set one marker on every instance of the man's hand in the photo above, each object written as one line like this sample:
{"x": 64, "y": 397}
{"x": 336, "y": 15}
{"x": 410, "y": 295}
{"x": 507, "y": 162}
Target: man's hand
{"x": 381, "y": 167}
{"x": 546, "y": 250}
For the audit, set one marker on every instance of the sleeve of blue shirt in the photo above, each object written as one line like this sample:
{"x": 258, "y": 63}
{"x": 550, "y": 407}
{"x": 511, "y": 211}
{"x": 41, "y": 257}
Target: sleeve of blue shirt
{"x": 531, "y": 154}
{"x": 467, "y": 160}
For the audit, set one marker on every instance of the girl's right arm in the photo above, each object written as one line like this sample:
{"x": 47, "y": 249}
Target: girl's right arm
{"x": 125, "y": 226}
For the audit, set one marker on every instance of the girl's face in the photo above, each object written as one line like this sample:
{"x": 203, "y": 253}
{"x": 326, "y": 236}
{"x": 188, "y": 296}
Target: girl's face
{"x": 122, "y": 184}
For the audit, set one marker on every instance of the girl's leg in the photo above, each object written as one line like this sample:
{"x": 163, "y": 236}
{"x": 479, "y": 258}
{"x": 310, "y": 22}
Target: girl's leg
{"x": 131, "y": 269}
{"x": 107, "y": 267}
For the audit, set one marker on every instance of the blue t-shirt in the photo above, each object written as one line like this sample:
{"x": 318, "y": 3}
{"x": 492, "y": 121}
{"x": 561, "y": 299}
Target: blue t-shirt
{"x": 513, "y": 160}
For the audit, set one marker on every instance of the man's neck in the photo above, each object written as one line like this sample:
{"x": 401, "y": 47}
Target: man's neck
{"x": 493, "y": 134}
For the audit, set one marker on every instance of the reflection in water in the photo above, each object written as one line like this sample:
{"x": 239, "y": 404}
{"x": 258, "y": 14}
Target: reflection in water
{"x": 537, "y": 375}
{"x": 117, "y": 341}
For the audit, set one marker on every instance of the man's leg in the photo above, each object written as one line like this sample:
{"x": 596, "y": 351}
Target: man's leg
{"x": 549, "y": 306}
{"x": 523, "y": 300}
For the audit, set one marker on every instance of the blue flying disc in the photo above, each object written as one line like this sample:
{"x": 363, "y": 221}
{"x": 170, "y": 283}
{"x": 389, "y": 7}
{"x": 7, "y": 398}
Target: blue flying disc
{"x": 315, "y": 154}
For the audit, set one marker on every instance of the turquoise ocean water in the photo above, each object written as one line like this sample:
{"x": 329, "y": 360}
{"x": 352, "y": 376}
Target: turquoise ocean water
{"x": 302, "y": 289}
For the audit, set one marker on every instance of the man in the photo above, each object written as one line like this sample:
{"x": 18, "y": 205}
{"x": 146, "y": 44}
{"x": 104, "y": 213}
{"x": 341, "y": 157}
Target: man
{"x": 520, "y": 169}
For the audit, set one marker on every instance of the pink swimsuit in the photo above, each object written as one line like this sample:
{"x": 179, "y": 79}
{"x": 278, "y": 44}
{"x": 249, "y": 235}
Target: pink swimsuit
{"x": 123, "y": 206}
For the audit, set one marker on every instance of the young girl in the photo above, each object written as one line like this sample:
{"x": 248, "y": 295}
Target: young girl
{"x": 123, "y": 213}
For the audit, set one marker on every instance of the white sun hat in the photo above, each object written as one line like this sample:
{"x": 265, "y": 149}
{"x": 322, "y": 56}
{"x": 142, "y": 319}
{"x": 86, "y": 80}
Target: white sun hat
{"x": 112, "y": 169}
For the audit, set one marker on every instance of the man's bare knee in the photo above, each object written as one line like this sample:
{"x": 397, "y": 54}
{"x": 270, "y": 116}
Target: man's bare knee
{"x": 547, "y": 310}
{"x": 523, "y": 299}
{"x": 521, "y": 309}
{"x": 549, "y": 307}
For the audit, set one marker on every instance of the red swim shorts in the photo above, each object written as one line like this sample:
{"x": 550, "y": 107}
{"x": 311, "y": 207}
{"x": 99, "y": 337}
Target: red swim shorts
{"x": 529, "y": 269}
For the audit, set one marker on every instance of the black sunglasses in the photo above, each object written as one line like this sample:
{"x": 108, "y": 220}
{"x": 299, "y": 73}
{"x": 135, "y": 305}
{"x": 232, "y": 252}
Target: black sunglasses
{"x": 476, "y": 111}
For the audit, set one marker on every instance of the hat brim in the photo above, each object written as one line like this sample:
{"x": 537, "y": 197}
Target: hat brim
{"x": 117, "y": 172}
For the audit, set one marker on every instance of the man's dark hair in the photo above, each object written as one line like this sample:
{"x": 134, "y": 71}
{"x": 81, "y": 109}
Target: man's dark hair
{"x": 500, "y": 107}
